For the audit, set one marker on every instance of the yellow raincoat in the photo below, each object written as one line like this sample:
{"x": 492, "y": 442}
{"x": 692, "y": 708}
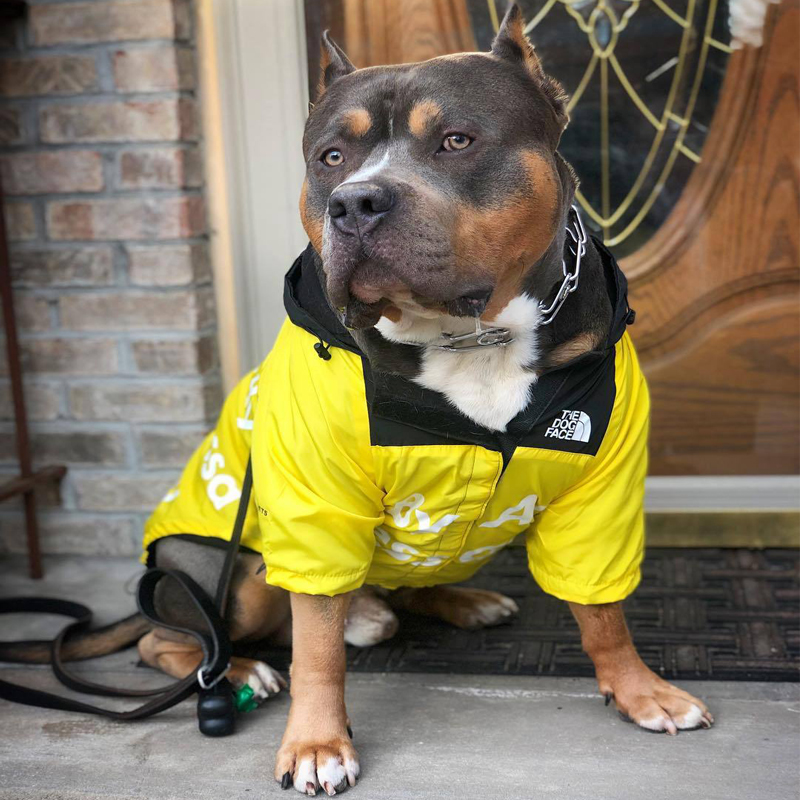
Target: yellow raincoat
{"x": 366, "y": 478}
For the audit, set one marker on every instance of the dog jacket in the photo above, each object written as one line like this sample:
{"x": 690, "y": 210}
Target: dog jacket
{"x": 364, "y": 477}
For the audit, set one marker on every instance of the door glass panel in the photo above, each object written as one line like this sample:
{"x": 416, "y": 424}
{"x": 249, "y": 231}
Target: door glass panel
{"x": 643, "y": 80}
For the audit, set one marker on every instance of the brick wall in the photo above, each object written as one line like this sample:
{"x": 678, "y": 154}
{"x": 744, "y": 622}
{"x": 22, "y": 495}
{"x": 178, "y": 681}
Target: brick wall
{"x": 102, "y": 172}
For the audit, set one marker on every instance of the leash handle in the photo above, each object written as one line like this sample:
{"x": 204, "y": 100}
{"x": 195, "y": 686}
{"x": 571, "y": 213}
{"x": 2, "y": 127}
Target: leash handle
{"x": 216, "y": 711}
{"x": 82, "y": 616}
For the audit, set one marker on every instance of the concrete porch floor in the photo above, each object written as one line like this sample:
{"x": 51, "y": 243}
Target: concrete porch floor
{"x": 419, "y": 736}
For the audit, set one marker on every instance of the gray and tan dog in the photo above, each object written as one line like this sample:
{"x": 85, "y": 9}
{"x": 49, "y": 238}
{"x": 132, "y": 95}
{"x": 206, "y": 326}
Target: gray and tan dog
{"x": 436, "y": 203}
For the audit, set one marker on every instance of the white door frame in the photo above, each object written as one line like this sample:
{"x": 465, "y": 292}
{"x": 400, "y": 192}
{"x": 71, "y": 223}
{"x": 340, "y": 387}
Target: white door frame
{"x": 254, "y": 99}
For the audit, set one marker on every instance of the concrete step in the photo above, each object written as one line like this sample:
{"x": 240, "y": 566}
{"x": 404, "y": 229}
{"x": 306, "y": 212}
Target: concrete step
{"x": 419, "y": 736}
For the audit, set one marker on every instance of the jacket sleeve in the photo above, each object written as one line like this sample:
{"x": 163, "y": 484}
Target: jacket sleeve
{"x": 587, "y": 545}
{"x": 318, "y": 504}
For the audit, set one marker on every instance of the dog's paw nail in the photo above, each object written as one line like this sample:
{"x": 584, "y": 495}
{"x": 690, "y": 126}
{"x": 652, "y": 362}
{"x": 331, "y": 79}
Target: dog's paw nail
{"x": 351, "y": 769}
{"x": 706, "y": 723}
{"x": 510, "y": 605}
{"x": 286, "y": 780}
{"x": 349, "y": 731}
{"x": 608, "y": 697}
{"x": 311, "y": 790}
{"x": 329, "y": 789}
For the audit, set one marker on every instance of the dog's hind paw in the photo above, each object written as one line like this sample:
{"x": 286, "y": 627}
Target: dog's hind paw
{"x": 482, "y": 609}
{"x": 260, "y": 677}
{"x": 460, "y": 606}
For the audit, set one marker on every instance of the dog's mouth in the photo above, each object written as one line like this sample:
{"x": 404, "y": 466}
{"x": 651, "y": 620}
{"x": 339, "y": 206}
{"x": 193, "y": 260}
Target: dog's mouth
{"x": 365, "y": 308}
{"x": 364, "y": 292}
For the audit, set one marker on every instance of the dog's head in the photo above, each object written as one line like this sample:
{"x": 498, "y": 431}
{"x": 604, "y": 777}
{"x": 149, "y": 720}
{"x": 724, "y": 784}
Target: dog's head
{"x": 434, "y": 188}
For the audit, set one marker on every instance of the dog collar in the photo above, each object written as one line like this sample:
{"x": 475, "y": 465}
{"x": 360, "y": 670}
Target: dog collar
{"x": 500, "y": 337}
{"x": 577, "y": 233}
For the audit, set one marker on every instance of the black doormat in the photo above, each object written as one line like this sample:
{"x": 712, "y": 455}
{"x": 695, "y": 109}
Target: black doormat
{"x": 711, "y": 614}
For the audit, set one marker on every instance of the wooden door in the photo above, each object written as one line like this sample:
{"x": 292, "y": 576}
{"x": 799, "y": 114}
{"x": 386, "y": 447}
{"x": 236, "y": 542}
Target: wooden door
{"x": 711, "y": 246}
{"x": 716, "y": 289}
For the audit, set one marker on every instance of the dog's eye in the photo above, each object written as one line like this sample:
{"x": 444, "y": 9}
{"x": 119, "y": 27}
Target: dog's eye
{"x": 333, "y": 158}
{"x": 456, "y": 141}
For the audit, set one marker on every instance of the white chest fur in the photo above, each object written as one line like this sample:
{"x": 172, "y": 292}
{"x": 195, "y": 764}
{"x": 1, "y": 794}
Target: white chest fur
{"x": 489, "y": 386}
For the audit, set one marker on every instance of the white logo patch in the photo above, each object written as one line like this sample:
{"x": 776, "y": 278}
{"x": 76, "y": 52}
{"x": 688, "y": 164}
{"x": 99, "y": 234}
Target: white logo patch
{"x": 575, "y": 425}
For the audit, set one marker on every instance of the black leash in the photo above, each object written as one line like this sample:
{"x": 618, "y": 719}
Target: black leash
{"x": 215, "y": 707}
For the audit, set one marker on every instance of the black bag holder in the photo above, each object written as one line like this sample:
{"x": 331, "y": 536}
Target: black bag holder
{"x": 216, "y": 714}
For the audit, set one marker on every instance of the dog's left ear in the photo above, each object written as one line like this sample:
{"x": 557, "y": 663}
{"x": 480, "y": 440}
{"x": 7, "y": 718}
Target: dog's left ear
{"x": 512, "y": 44}
{"x": 334, "y": 64}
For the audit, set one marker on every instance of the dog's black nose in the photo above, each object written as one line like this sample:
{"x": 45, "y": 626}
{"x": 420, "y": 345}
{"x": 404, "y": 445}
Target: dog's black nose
{"x": 357, "y": 208}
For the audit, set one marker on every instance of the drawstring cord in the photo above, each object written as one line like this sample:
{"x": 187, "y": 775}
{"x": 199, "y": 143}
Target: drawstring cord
{"x": 323, "y": 350}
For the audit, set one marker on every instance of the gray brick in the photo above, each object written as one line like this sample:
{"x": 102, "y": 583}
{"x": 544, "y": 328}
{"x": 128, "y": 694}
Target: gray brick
{"x": 135, "y": 401}
{"x": 31, "y": 312}
{"x": 84, "y": 23}
{"x": 78, "y": 447}
{"x": 12, "y": 130}
{"x": 160, "y": 168}
{"x": 63, "y": 267}
{"x": 115, "y": 492}
{"x": 51, "y": 172}
{"x": 119, "y": 121}
{"x": 42, "y": 400}
{"x": 73, "y": 533}
{"x": 20, "y": 221}
{"x": 67, "y": 356}
{"x": 175, "y": 356}
{"x": 175, "y": 310}
{"x": 153, "y": 69}
{"x": 168, "y": 447}
{"x": 47, "y": 75}
{"x": 168, "y": 265}
{"x": 127, "y": 218}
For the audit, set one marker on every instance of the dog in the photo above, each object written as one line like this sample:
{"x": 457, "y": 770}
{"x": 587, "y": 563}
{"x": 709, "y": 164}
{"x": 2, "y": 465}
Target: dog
{"x": 454, "y": 371}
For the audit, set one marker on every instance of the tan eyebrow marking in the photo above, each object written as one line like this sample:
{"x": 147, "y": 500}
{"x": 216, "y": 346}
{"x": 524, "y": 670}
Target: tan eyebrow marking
{"x": 358, "y": 121}
{"x": 421, "y": 115}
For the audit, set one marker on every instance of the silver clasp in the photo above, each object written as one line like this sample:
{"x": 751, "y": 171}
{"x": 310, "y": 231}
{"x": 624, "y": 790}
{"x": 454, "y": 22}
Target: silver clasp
{"x": 202, "y": 681}
{"x": 488, "y": 337}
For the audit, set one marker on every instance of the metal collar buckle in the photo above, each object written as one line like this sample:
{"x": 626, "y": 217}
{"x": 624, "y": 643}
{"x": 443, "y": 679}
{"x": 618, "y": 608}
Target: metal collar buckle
{"x": 484, "y": 337}
{"x": 577, "y": 233}
{"x": 209, "y": 685}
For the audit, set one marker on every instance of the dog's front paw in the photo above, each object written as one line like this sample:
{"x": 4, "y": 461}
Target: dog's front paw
{"x": 309, "y": 766}
{"x": 653, "y": 703}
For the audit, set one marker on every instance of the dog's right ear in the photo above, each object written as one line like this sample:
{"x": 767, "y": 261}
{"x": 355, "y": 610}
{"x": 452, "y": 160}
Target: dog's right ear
{"x": 334, "y": 64}
{"x": 512, "y": 44}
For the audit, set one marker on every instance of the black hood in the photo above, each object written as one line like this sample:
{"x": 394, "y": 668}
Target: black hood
{"x": 402, "y": 412}
{"x": 308, "y": 307}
